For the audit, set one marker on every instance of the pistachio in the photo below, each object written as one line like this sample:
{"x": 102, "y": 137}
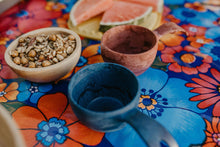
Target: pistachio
{"x": 17, "y": 60}
{"x": 46, "y": 63}
{"x": 14, "y": 53}
{"x": 32, "y": 53}
{"x": 32, "y": 65}
{"x": 24, "y": 60}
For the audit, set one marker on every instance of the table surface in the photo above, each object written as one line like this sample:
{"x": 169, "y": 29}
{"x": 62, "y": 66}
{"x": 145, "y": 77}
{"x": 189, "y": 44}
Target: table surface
{"x": 181, "y": 90}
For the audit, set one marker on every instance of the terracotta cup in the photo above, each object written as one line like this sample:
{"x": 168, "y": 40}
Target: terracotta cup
{"x": 133, "y": 46}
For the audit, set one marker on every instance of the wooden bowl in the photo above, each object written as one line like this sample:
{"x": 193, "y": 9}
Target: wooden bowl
{"x": 10, "y": 136}
{"x": 49, "y": 73}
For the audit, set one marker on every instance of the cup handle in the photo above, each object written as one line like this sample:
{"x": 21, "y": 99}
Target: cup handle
{"x": 150, "y": 130}
{"x": 169, "y": 27}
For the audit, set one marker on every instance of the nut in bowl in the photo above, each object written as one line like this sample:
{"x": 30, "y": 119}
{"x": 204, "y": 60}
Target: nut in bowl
{"x": 44, "y": 55}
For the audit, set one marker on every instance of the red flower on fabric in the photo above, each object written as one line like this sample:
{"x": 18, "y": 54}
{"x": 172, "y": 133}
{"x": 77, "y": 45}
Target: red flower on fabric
{"x": 208, "y": 89}
{"x": 28, "y": 16}
{"x": 12, "y": 33}
{"x": 5, "y": 70}
{"x": 194, "y": 30}
{"x": 188, "y": 59}
{"x": 212, "y": 133}
{"x": 198, "y": 41}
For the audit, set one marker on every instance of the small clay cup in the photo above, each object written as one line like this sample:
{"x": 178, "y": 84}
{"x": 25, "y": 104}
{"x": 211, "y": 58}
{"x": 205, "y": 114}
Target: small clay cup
{"x": 133, "y": 46}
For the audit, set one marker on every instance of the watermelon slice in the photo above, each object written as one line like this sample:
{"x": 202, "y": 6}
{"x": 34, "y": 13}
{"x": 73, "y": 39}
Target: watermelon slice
{"x": 86, "y": 9}
{"x": 122, "y": 13}
{"x": 156, "y": 4}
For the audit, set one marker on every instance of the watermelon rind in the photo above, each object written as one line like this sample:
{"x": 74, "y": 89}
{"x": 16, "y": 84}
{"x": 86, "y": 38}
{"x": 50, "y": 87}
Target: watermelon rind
{"x": 136, "y": 21}
{"x": 160, "y": 6}
{"x": 72, "y": 12}
{"x": 97, "y": 12}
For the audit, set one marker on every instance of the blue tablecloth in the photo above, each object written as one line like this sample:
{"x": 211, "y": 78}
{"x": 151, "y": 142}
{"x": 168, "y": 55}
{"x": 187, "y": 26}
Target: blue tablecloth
{"x": 181, "y": 90}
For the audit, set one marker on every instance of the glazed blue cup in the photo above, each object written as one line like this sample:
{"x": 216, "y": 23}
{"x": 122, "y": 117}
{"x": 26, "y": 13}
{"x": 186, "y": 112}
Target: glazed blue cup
{"x": 105, "y": 96}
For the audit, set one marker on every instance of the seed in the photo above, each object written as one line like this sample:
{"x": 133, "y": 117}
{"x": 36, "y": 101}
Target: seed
{"x": 41, "y": 57}
{"x": 32, "y": 53}
{"x": 55, "y": 60}
{"x": 17, "y": 60}
{"x": 64, "y": 55}
{"x": 14, "y": 53}
{"x": 21, "y": 40}
{"x": 39, "y": 39}
{"x": 31, "y": 65}
{"x": 69, "y": 50}
{"x": 46, "y": 63}
{"x": 21, "y": 54}
{"x": 59, "y": 52}
{"x": 60, "y": 57}
{"x": 37, "y": 63}
{"x": 31, "y": 59}
{"x": 71, "y": 37}
{"x": 24, "y": 60}
{"x": 52, "y": 37}
{"x": 54, "y": 53}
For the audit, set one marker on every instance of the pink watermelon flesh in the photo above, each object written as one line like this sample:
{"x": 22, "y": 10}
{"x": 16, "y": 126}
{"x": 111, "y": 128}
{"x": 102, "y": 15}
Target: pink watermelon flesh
{"x": 153, "y": 3}
{"x": 86, "y": 9}
{"x": 122, "y": 12}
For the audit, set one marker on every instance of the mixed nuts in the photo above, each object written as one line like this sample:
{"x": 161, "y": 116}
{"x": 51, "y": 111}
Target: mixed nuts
{"x": 43, "y": 50}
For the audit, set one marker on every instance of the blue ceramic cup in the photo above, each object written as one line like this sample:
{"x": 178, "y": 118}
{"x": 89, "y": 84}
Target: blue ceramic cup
{"x": 104, "y": 96}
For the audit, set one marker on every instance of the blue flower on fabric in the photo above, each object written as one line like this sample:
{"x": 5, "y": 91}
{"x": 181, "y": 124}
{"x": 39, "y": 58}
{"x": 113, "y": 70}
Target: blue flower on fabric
{"x": 192, "y": 1}
{"x": 170, "y": 105}
{"x": 213, "y": 33}
{"x": 194, "y": 17}
{"x": 32, "y": 91}
{"x": 53, "y": 130}
{"x": 212, "y": 49}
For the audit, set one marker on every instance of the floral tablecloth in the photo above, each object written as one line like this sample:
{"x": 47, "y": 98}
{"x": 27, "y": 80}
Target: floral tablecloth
{"x": 181, "y": 90}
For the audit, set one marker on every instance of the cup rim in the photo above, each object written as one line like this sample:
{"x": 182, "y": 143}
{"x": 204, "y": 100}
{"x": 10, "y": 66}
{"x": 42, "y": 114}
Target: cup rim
{"x": 127, "y": 54}
{"x": 131, "y": 105}
{"x": 38, "y": 31}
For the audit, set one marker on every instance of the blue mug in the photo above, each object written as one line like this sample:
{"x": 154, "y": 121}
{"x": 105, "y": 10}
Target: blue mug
{"x": 105, "y": 96}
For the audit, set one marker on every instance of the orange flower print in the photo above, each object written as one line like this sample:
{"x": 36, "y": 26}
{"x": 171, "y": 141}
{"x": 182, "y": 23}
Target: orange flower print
{"x": 172, "y": 39}
{"x": 90, "y": 55}
{"x": 62, "y": 21}
{"x": 146, "y": 102}
{"x": 194, "y": 30}
{"x": 171, "y": 18}
{"x": 208, "y": 88}
{"x": 3, "y": 40}
{"x": 212, "y": 133}
{"x": 53, "y": 123}
{"x": 54, "y": 6}
{"x": 198, "y": 41}
{"x": 196, "y": 6}
{"x": 188, "y": 60}
{"x": 8, "y": 93}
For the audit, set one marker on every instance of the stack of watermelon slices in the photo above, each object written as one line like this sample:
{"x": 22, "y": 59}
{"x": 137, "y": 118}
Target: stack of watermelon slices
{"x": 114, "y": 12}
